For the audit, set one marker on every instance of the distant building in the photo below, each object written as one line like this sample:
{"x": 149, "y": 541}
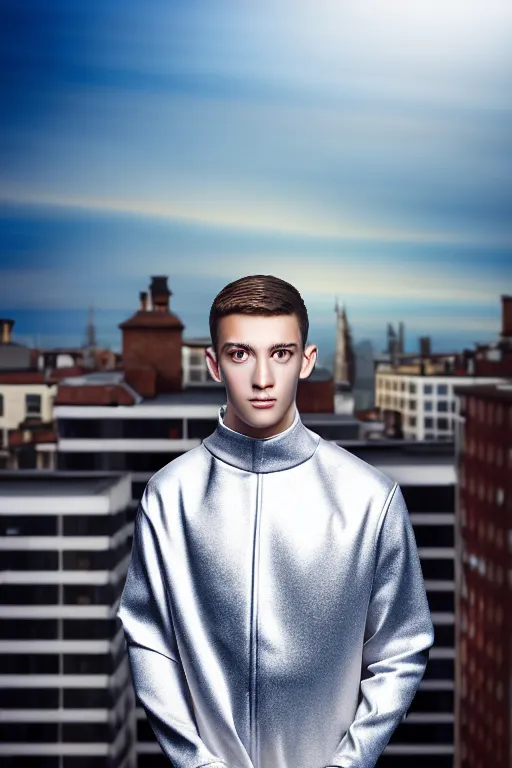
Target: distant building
{"x": 26, "y": 400}
{"x": 484, "y": 576}
{"x": 416, "y": 392}
{"x": 344, "y": 372}
{"x": 66, "y": 697}
{"x": 426, "y": 475}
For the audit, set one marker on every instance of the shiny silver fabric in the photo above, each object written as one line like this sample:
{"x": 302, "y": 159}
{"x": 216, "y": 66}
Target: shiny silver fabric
{"x": 274, "y": 609}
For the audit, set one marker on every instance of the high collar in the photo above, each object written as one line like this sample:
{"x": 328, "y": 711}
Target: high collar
{"x": 262, "y": 454}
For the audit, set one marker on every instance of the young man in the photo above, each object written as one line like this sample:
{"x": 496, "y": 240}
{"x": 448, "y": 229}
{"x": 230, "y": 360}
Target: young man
{"x": 274, "y": 608}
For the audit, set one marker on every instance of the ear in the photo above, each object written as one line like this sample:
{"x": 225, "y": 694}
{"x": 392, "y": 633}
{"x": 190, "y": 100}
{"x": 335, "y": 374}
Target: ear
{"x": 212, "y": 365}
{"x": 308, "y": 361}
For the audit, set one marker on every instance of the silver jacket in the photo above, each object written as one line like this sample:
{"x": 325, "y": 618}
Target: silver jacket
{"x": 274, "y": 608}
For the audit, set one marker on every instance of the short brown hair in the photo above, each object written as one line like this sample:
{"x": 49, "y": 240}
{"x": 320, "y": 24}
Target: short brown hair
{"x": 258, "y": 295}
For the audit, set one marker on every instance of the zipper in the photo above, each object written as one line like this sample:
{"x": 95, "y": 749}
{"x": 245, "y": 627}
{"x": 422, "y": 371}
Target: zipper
{"x": 253, "y": 650}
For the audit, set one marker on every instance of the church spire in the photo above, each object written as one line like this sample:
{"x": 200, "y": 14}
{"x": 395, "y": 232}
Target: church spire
{"x": 344, "y": 358}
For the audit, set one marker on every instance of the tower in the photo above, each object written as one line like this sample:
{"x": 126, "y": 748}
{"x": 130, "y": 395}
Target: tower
{"x": 344, "y": 358}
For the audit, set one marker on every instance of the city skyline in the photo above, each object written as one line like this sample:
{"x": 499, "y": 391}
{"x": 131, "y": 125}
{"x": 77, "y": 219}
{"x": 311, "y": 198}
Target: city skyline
{"x": 352, "y": 151}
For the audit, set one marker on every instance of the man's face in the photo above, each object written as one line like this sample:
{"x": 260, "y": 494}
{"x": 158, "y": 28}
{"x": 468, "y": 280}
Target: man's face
{"x": 260, "y": 358}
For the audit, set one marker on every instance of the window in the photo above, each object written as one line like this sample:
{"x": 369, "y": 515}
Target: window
{"x": 412, "y": 387}
{"x": 442, "y": 423}
{"x": 427, "y": 405}
{"x": 442, "y": 406}
{"x": 427, "y": 389}
{"x": 442, "y": 389}
{"x": 412, "y": 421}
{"x": 428, "y": 422}
{"x": 412, "y": 405}
{"x": 1, "y": 405}
{"x": 33, "y": 405}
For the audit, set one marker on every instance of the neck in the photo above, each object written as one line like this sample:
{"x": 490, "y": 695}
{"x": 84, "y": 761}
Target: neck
{"x": 234, "y": 422}
{"x": 285, "y": 450}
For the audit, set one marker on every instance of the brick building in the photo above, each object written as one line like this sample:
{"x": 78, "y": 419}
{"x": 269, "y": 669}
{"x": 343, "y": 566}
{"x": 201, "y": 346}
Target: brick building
{"x": 484, "y": 577}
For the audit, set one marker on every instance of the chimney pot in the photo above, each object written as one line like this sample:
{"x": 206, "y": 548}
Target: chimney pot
{"x": 6, "y": 325}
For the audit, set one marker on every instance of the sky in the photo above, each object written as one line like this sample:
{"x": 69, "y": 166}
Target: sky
{"x": 356, "y": 149}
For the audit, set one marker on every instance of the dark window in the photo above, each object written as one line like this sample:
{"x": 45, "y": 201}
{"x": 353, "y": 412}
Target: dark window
{"x": 434, "y": 535}
{"x": 33, "y": 405}
{"x": 439, "y": 669}
{"x": 88, "y": 698}
{"x": 29, "y": 698}
{"x": 427, "y": 405}
{"x": 87, "y": 732}
{"x": 89, "y": 594}
{"x": 437, "y": 569}
{"x": 441, "y": 601}
{"x": 25, "y": 761}
{"x": 442, "y": 406}
{"x": 119, "y": 429}
{"x": 44, "y": 733}
{"x": 432, "y": 701}
{"x": 28, "y": 629}
{"x": 427, "y": 389}
{"x": 28, "y": 525}
{"x": 442, "y": 423}
{"x": 29, "y": 594}
{"x": 444, "y": 635}
{"x": 428, "y": 422}
{"x": 404, "y": 761}
{"x": 88, "y": 664}
{"x": 99, "y": 560}
{"x": 29, "y": 664}
{"x": 429, "y": 498}
{"x": 86, "y": 461}
{"x": 30, "y": 560}
{"x": 442, "y": 389}
{"x": 89, "y": 629}
{"x": 423, "y": 733}
{"x": 93, "y": 525}
{"x": 201, "y": 428}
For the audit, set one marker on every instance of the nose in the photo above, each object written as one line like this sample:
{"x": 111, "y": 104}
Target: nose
{"x": 262, "y": 377}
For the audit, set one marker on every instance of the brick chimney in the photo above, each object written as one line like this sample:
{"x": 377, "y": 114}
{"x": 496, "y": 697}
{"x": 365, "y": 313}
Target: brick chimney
{"x": 152, "y": 341}
{"x": 6, "y": 327}
{"x": 506, "y": 316}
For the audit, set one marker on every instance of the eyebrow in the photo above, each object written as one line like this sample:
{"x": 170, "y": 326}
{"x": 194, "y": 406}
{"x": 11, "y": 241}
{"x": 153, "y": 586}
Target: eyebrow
{"x": 248, "y": 347}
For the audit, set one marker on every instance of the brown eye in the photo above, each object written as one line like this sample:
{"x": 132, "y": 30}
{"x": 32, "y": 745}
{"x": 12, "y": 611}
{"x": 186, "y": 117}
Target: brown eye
{"x": 286, "y": 351}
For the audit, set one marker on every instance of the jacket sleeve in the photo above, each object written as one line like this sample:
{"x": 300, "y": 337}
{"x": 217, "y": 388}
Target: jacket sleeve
{"x": 157, "y": 673}
{"x": 397, "y": 639}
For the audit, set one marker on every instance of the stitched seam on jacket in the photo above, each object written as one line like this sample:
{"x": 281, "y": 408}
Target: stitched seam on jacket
{"x": 380, "y": 523}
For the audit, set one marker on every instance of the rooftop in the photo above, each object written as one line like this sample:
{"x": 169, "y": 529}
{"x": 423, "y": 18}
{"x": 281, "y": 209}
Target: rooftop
{"x": 491, "y": 391}
{"x": 42, "y": 483}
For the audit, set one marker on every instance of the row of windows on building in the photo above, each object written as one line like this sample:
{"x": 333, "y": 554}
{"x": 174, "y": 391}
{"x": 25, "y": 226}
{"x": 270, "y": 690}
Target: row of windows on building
{"x": 494, "y": 572}
{"x": 59, "y": 629}
{"x": 60, "y": 594}
{"x": 393, "y": 385}
{"x": 62, "y": 525}
{"x": 442, "y": 406}
{"x": 490, "y": 413}
{"x": 483, "y": 488}
{"x": 487, "y": 532}
{"x": 118, "y": 429}
{"x": 487, "y": 451}
{"x": 32, "y": 405}
{"x": 65, "y": 560}
{"x": 429, "y": 422}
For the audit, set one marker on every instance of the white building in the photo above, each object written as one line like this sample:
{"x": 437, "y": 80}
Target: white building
{"x": 425, "y": 405}
{"x": 65, "y": 691}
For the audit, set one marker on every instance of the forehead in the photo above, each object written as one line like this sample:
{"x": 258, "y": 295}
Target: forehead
{"x": 259, "y": 329}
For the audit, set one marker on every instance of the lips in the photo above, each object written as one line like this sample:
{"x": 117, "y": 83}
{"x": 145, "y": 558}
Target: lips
{"x": 259, "y": 400}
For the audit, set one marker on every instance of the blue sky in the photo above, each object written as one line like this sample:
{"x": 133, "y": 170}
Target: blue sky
{"x": 355, "y": 149}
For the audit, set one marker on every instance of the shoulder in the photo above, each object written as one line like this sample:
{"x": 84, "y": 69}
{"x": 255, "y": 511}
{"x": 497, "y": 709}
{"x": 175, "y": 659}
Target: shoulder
{"x": 168, "y": 483}
{"x": 353, "y": 472}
